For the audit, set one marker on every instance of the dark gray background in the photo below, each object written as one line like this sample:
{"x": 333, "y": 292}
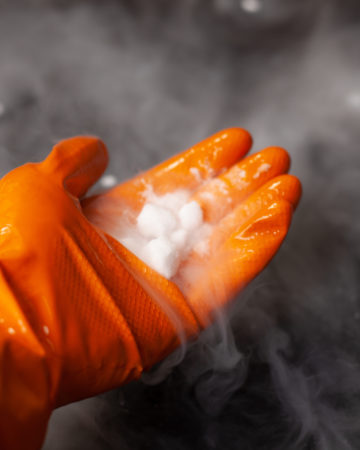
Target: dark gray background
{"x": 153, "y": 77}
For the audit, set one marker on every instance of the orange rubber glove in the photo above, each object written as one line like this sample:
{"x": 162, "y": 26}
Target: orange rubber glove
{"x": 80, "y": 314}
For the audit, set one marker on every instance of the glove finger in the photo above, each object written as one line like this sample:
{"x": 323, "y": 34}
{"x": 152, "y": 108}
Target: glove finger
{"x": 77, "y": 162}
{"x": 218, "y": 197}
{"x": 189, "y": 169}
{"x": 283, "y": 187}
{"x": 209, "y": 285}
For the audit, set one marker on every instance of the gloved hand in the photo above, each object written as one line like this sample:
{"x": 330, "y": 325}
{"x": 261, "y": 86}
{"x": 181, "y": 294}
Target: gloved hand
{"x": 80, "y": 314}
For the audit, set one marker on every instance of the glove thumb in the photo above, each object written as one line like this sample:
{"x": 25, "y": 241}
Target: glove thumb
{"x": 77, "y": 162}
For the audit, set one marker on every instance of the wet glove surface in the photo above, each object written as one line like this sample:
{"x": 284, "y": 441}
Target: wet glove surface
{"x": 80, "y": 314}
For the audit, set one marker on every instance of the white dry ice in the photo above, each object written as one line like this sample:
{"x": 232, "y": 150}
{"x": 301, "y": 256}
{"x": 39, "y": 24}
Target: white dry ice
{"x": 161, "y": 254}
{"x": 167, "y": 228}
{"x": 190, "y": 216}
{"x": 155, "y": 221}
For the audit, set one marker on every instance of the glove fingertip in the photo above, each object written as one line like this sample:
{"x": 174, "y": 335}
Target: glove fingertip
{"x": 78, "y": 162}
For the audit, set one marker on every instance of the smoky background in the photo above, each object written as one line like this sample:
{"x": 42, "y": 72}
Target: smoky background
{"x": 281, "y": 369}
